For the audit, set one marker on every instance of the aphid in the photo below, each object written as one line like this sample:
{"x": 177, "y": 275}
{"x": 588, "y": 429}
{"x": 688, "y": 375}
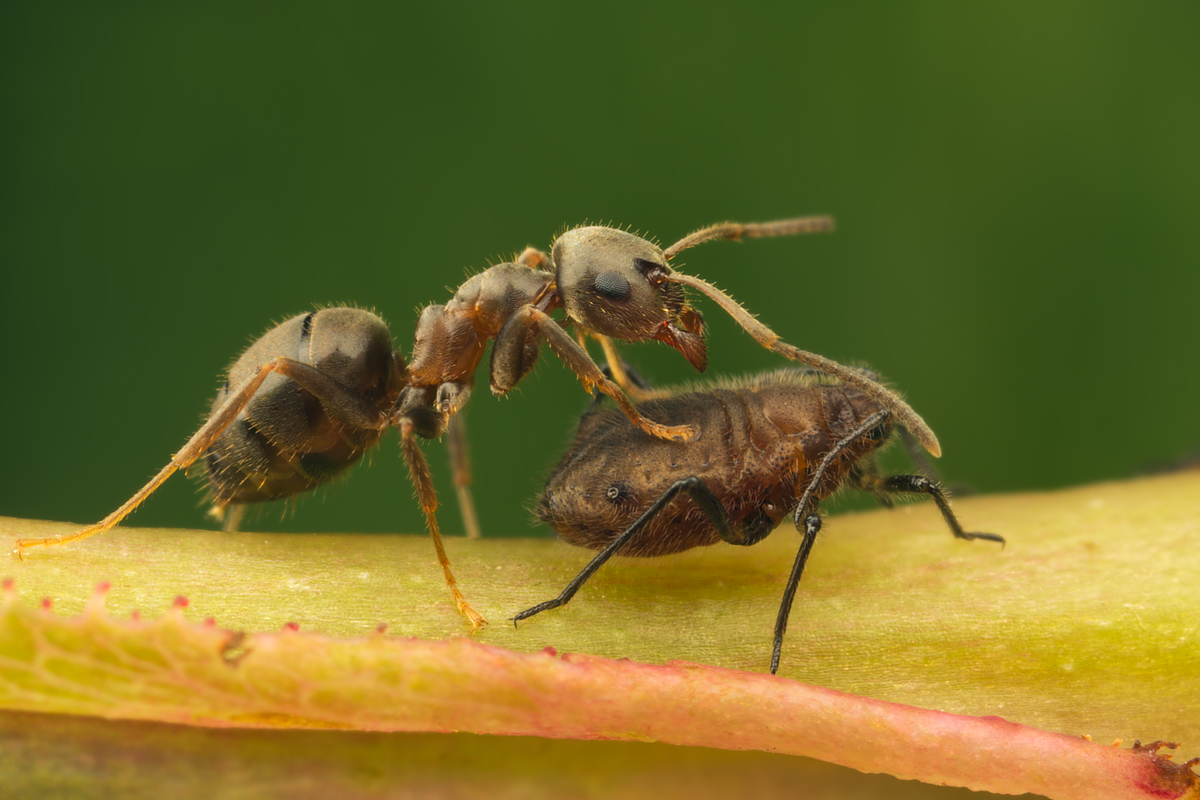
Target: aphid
{"x": 766, "y": 447}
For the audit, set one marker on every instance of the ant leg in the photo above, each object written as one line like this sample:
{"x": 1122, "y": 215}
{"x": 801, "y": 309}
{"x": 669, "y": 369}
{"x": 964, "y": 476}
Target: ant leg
{"x": 339, "y": 401}
{"x": 228, "y": 515}
{"x": 460, "y": 462}
{"x": 806, "y": 509}
{"x": 509, "y": 364}
{"x": 232, "y": 517}
{"x": 693, "y": 486}
{"x": 812, "y": 525}
{"x": 769, "y": 339}
{"x": 919, "y": 484}
{"x": 640, "y": 384}
{"x": 751, "y": 230}
{"x": 422, "y": 479}
{"x": 620, "y": 372}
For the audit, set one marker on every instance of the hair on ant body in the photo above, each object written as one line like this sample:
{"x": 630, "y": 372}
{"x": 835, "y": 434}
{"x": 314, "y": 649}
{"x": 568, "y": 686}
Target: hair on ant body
{"x": 307, "y": 399}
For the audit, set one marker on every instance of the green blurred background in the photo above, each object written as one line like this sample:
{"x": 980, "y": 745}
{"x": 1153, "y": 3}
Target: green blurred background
{"x": 1016, "y": 188}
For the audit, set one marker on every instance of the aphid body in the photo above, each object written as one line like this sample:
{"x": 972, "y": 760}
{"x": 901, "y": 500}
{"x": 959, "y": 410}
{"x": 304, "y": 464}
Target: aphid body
{"x": 767, "y": 447}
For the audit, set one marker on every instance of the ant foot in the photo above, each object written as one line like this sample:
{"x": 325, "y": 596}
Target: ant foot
{"x": 476, "y": 619}
{"x": 674, "y": 433}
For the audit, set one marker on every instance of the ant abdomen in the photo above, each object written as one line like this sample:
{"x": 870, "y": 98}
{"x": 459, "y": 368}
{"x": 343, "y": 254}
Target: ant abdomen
{"x": 287, "y": 441}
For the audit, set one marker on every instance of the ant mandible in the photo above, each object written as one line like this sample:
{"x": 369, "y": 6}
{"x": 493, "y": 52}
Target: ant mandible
{"x": 770, "y": 446}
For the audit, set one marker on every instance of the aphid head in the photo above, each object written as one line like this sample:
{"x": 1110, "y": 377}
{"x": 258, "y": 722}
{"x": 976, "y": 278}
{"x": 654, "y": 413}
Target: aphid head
{"x": 619, "y": 285}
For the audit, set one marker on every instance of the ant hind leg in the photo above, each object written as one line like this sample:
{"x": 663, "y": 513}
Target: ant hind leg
{"x": 460, "y": 463}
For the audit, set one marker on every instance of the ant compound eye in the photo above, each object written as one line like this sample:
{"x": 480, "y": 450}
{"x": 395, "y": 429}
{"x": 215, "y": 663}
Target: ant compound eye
{"x": 617, "y": 493}
{"x": 613, "y": 285}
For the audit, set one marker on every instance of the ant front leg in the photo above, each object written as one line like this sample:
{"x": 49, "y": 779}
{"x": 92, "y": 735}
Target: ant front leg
{"x": 693, "y": 486}
{"x": 808, "y": 513}
{"x": 812, "y": 526}
{"x": 640, "y": 385}
{"x": 512, "y": 358}
{"x": 337, "y": 399}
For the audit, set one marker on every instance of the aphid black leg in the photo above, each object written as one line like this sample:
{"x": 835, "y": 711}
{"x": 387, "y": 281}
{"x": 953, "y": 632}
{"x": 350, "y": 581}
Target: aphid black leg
{"x": 693, "y": 486}
{"x": 865, "y": 476}
{"x": 812, "y": 526}
{"x": 807, "y": 511}
{"x": 919, "y": 484}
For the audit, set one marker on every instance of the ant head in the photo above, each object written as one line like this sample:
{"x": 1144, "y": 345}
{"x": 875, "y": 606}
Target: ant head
{"x": 619, "y": 285}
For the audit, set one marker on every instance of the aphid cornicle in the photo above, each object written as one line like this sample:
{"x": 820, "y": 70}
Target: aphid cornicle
{"x": 767, "y": 447}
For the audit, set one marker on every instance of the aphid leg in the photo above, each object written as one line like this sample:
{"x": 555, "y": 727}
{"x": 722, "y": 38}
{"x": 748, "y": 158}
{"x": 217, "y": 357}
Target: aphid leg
{"x": 812, "y": 526}
{"x": 865, "y": 476}
{"x": 460, "y": 462}
{"x": 693, "y": 486}
{"x": 770, "y": 340}
{"x": 422, "y": 479}
{"x": 510, "y": 363}
{"x": 807, "y": 512}
{"x": 752, "y": 230}
{"x": 919, "y": 484}
{"x": 532, "y": 257}
{"x": 340, "y": 402}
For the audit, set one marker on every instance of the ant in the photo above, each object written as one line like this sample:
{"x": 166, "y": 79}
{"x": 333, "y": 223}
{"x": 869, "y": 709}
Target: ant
{"x": 611, "y": 284}
{"x": 313, "y": 394}
{"x": 768, "y": 446}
